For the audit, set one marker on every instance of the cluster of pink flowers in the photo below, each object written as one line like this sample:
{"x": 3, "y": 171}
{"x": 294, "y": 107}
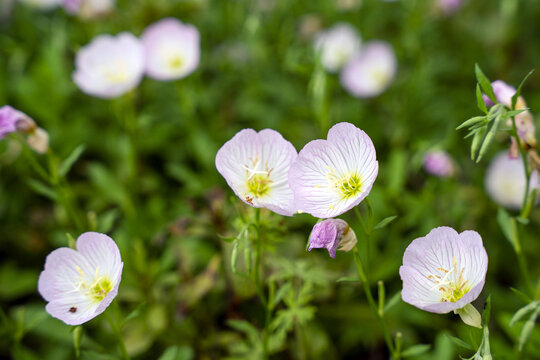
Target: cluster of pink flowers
{"x": 326, "y": 179}
{"x": 112, "y": 65}
{"x": 442, "y": 272}
{"x": 367, "y": 70}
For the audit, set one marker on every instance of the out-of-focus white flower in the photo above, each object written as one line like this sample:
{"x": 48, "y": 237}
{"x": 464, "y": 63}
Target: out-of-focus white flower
{"x": 172, "y": 49}
{"x": 88, "y": 8}
{"x": 448, "y": 7}
{"x": 336, "y": 46}
{"x": 505, "y": 181}
{"x": 110, "y": 65}
{"x": 370, "y": 71}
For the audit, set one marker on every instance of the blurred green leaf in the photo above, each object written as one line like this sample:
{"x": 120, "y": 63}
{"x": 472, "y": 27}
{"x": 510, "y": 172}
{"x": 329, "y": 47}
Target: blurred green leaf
{"x": 384, "y": 222}
{"x": 460, "y": 342}
{"x": 177, "y": 353}
{"x": 43, "y": 189}
{"x": 68, "y": 162}
{"x": 416, "y": 350}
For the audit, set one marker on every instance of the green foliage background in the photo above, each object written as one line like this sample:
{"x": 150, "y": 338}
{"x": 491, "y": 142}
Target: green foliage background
{"x": 153, "y": 186}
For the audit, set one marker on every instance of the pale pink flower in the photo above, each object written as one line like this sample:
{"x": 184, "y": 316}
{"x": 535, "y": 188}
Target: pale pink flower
{"x": 80, "y": 284}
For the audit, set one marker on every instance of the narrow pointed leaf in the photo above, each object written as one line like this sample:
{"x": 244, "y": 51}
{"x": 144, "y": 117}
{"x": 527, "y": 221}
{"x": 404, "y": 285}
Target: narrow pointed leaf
{"x": 484, "y": 82}
{"x": 384, "y": 222}
{"x": 471, "y": 121}
{"x": 480, "y": 100}
{"x": 522, "y": 312}
{"x": 527, "y": 329}
{"x": 68, "y": 162}
{"x": 416, "y": 350}
{"x": 459, "y": 342}
{"x": 518, "y": 91}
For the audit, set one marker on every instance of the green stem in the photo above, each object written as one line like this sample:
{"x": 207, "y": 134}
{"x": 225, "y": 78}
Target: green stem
{"x": 373, "y": 305}
{"x": 366, "y": 228}
{"x": 117, "y": 330}
{"x": 525, "y": 165}
{"x": 528, "y": 202}
{"x": 258, "y": 282}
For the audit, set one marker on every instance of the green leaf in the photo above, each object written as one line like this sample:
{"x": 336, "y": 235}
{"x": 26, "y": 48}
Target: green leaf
{"x": 511, "y": 113}
{"x": 416, "y": 350}
{"x": 509, "y": 228}
{"x": 518, "y": 91}
{"x": 520, "y": 294}
{"x": 477, "y": 141}
{"x": 349, "y": 279}
{"x": 523, "y": 311}
{"x": 384, "y": 222}
{"x": 135, "y": 313}
{"x": 489, "y": 139}
{"x": 234, "y": 256}
{"x": 527, "y": 329}
{"x": 68, "y": 162}
{"x": 177, "y": 353}
{"x": 227, "y": 238}
{"x": 280, "y": 294}
{"x": 243, "y": 326}
{"x": 480, "y": 100}
{"x": 459, "y": 342}
{"x": 92, "y": 355}
{"x": 107, "y": 219}
{"x": 392, "y": 302}
{"x": 484, "y": 82}
{"x": 42, "y": 189}
{"x": 471, "y": 121}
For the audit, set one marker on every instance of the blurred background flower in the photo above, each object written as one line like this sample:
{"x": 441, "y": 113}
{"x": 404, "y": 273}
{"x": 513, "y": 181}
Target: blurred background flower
{"x": 439, "y": 163}
{"x": 505, "y": 181}
{"x": 172, "y": 49}
{"x": 337, "y": 45}
{"x": 109, "y": 66}
{"x": 370, "y": 71}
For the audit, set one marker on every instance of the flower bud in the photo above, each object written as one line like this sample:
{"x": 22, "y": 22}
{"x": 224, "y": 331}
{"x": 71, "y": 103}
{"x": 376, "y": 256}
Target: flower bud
{"x": 38, "y": 140}
{"x": 330, "y": 234}
{"x": 8, "y": 120}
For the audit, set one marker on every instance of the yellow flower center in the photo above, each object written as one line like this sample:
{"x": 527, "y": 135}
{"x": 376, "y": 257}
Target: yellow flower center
{"x": 98, "y": 289}
{"x": 451, "y": 290}
{"x": 259, "y": 185}
{"x": 348, "y": 186}
{"x": 258, "y": 182}
{"x": 176, "y": 62}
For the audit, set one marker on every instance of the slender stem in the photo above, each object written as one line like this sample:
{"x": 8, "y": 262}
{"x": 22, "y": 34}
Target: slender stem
{"x": 525, "y": 162}
{"x": 526, "y": 207}
{"x": 366, "y": 228}
{"x": 117, "y": 329}
{"x": 258, "y": 282}
{"x": 373, "y": 305}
